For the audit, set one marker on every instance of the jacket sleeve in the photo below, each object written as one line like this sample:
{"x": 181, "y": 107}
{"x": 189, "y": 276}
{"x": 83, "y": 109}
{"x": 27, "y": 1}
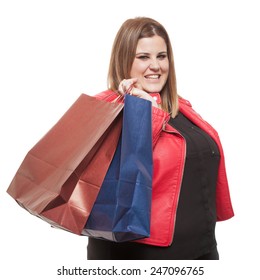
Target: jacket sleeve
{"x": 223, "y": 200}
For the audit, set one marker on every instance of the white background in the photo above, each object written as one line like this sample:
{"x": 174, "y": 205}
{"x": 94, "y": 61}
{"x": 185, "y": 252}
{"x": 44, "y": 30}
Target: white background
{"x": 51, "y": 51}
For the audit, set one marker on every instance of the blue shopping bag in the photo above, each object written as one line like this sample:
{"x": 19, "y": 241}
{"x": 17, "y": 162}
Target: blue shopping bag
{"x": 123, "y": 207}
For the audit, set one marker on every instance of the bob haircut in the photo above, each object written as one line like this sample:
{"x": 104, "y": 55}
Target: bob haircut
{"x": 124, "y": 51}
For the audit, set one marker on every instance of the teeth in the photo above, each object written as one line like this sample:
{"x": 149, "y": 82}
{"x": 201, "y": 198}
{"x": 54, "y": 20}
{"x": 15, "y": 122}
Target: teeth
{"x": 152, "y": 76}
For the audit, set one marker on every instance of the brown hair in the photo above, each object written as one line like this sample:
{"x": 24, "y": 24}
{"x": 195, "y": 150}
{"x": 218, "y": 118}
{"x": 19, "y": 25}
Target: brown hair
{"x": 124, "y": 51}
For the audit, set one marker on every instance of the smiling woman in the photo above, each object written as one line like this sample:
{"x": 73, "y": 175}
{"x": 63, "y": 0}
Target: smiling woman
{"x": 190, "y": 191}
{"x": 132, "y": 46}
{"x": 151, "y": 64}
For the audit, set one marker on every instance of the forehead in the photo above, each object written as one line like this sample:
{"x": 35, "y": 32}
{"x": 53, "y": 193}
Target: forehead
{"x": 151, "y": 44}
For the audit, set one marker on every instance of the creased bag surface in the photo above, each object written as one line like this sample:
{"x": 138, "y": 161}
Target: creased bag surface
{"x": 60, "y": 177}
{"x": 122, "y": 209}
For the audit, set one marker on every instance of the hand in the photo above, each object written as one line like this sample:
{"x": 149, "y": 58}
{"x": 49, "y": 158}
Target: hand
{"x": 126, "y": 85}
{"x": 129, "y": 86}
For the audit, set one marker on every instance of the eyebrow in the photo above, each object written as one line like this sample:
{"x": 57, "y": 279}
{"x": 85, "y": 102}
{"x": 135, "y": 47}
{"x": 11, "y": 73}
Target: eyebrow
{"x": 146, "y": 53}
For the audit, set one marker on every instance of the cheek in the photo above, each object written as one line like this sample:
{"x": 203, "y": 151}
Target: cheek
{"x": 137, "y": 69}
{"x": 165, "y": 67}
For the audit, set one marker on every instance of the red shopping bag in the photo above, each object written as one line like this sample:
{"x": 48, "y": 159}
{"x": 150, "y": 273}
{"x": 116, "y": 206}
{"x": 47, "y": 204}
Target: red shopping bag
{"x": 60, "y": 177}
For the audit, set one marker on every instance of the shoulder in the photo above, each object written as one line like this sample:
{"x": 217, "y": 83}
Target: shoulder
{"x": 186, "y": 108}
{"x": 184, "y": 102}
{"x": 107, "y": 95}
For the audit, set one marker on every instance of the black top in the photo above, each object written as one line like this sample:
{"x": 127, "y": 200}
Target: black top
{"x": 194, "y": 234}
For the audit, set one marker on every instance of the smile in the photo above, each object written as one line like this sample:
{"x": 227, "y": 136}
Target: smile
{"x": 152, "y": 77}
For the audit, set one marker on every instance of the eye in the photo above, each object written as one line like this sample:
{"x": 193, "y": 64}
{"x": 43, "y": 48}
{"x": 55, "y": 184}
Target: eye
{"x": 143, "y": 57}
{"x": 162, "y": 56}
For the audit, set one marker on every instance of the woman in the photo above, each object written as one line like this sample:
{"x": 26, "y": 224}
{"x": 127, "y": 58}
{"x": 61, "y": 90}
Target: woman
{"x": 190, "y": 188}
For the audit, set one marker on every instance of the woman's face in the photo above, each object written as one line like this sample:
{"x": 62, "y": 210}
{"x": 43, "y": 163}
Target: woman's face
{"x": 151, "y": 64}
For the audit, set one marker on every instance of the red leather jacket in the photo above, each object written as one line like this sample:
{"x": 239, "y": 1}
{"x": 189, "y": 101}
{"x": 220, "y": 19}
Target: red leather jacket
{"x": 169, "y": 150}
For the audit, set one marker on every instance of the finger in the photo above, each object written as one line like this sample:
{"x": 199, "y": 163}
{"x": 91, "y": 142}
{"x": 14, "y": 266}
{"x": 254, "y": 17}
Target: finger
{"x": 121, "y": 87}
{"x": 133, "y": 80}
{"x": 126, "y": 85}
{"x": 138, "y": 92}
{"x": 144, "y": 95}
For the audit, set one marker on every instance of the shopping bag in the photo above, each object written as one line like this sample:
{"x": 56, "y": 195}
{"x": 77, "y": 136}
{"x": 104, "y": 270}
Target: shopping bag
{"x": 60, "y": 177}
{"x": 122, "y": 209}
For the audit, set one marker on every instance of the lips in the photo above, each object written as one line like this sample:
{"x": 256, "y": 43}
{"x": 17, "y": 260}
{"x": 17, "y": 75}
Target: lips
{"x": 152, "y": 77}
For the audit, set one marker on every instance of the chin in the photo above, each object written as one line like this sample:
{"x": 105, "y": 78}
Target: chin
{"x": 153, "y": 89}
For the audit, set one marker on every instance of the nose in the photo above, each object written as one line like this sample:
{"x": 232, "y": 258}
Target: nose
{"x": 154, "y": 65}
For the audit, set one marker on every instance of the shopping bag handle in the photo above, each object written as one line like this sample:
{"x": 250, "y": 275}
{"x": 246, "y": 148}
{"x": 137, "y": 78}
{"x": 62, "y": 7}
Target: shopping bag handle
{"x": 122, "y": 96}
{"x": 119, "y": 97}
